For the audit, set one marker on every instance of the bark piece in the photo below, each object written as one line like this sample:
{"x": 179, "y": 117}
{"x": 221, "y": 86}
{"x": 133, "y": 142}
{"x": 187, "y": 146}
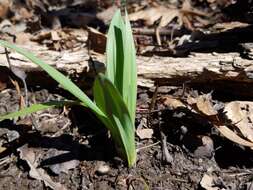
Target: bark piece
{"x": 198, "y": 69}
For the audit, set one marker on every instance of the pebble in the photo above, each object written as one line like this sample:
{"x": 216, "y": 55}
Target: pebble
{"x": 102, "y": 168}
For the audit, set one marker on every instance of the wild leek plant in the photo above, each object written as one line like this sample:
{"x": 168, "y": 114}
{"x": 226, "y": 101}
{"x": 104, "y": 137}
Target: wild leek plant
{"x": 114, "y": 93}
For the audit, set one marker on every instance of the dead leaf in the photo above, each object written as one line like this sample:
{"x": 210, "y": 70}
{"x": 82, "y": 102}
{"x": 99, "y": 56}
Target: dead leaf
{"x": 222, "y": 27}
{"x": 97, "y": 40}
{"x": 64, "y": 167}
{"x": 107, "y": 14}
{"x": 52, "y": 160}
{"x": 171, "y": 102}
{"x": 145, "y": 133}
{"x": 151, "y": 15}
{"x": 2, "y": 85}
{"x": 4, "y": 78}
{"x": 4, "y": 8}
{"x": 2, "y": 149}
{"x": 22, "y": 99}
{"x": 231, "y": 135}
{"x": 29, "y": 156}
{"x": 240, "y": 113}
{"x": 205, "y": 105}
{"x": 59, "y": 39}
{"x": 55, "y": 36}
{"x": 206, "y": 150}
{"x": 207, "y": 182}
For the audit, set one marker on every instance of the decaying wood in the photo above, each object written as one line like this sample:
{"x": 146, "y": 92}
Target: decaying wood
{"x": 199, "y": 68}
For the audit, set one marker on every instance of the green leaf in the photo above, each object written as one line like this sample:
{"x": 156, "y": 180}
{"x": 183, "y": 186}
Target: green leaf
{"x": 65, "y": 82}
{"x": 115, "y": 51}
{"x": 121, "y": 63}
{"x": 115, "y": 96}
{"x": 130, "y": 70}
{"x": 37, "y": 107}
{"x": 119, "y": 121}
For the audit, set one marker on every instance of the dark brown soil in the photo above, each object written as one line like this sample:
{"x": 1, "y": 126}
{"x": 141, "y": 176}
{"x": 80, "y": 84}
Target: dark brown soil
{"x": 86, "y": 140}
{"x": 74, "y": 149}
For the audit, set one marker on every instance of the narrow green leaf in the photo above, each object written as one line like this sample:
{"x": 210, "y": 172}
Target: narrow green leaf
{"x": 130, "y": 70}
{"x": 115, "y": 51}
{"x": 65, "y": 82}
{"x": 119, "y": 121}
{"x": 36, "y": 107}
{"x": 121, "y": 64}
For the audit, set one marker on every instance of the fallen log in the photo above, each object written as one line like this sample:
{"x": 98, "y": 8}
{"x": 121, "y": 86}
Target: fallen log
{"x": 199, "y": 69}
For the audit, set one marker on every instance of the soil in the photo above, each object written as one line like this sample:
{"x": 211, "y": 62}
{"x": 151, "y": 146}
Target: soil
{"x": 68, "y": 148}
{"x": 86, "y": 140}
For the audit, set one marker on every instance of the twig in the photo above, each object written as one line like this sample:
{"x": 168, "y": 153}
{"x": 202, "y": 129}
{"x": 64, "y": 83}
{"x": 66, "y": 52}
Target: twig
{"x": 148, "y": 146}
{"x": 166, "y": 155}
{"x": 157, "y": 33}
{"x": 90, "y": 57}
{"x": 162, "y": 32}
{"x": 19, "y": 73}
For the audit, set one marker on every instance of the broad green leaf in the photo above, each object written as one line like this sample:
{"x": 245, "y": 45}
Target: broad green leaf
{"x": 65, "y": 82}
{"x": 119, "y": 121}
{"x": 121, "y": 64}
{"x": 36, "y": 107}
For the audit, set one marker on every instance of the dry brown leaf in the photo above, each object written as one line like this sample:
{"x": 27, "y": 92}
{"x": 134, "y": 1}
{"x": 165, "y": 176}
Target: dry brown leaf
{"x": 64, "y": 167}
{"x": 144, "y": 133}
{"x": 4, "y": 8}
{"x": 231, "y": 135}
{"x": 205, "y": 105}
{"x": 153, "y": 14}
{"x": 107, "y": 14}
{"x": 58, "y": 39}
{"x": 59, "y": 167}
{"x": 206, "y": 150}
{"x": 22, "y": 99}
{"x": 188, "y": 9}
{"x": 29, "y": 156}
{"x": 240, "y": 113}
{"x": 97, "y": 40}
{"x": 207, "y": 182}
{"x": 4, "y": 78}
{"x": 55, "y": 36}
{"x": 3, "y": 85}
{"x": 171, "y": 102}
{"x": 2, "y": 149}
{"x": 222, "y": 27}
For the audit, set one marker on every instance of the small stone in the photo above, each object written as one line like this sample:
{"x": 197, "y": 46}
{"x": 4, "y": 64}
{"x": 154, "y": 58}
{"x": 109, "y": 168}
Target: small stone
{"x": 102, "y": 168}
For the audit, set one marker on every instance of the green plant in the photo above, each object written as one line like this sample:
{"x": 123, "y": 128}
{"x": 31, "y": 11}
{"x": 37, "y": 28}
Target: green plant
{"x": 114, "y": 93}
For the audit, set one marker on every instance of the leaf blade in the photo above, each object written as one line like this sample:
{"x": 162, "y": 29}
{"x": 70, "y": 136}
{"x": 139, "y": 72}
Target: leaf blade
{"x": 115, "y": 51}
{"x": 37, "y": 107}
{"x": 65, "y": 82}
{"x": 130, "y": 70}
{"x": 119, "y": 123}
{"x": 121, "y": 60}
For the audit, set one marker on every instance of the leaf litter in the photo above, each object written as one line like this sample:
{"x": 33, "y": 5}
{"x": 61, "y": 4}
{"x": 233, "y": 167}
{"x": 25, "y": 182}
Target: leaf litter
{"x": 30, "y": 157}
{"x": 231, "y": 119}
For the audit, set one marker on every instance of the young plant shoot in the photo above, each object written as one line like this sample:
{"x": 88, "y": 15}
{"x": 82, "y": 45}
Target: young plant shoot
{"x": 114, "y": 92}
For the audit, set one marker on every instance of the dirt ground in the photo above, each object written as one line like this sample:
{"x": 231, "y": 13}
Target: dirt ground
{"x": 98, "y": 167}
{"x": 179, "y": 146}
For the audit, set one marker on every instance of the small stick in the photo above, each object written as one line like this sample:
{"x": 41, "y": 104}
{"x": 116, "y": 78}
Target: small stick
{"x": 162, "y": 31}
{"x": 19, "y": 73}
{"x": 166, "y": 155}
{"x": 148, "y": 146}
